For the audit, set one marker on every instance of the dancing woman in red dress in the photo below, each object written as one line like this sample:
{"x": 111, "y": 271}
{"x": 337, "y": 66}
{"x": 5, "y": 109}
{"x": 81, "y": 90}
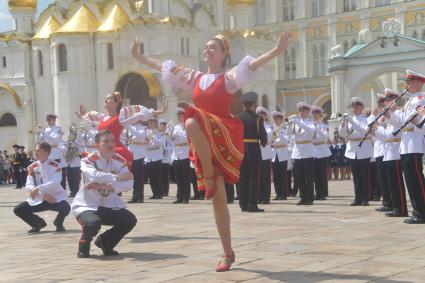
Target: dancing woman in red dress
{"x": 117, "y": 118}
{"x": 216, "y": 137}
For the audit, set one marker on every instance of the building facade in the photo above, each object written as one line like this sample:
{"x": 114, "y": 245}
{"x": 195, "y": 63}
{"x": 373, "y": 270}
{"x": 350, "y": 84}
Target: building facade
{"x": 77, "y": 51}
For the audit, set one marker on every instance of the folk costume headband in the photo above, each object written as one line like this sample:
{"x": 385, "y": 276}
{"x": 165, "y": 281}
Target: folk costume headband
{"x": 221, "y": 38}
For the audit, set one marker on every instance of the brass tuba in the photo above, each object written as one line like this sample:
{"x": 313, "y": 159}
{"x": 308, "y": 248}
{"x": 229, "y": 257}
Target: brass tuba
{"x": 72, "y": 150}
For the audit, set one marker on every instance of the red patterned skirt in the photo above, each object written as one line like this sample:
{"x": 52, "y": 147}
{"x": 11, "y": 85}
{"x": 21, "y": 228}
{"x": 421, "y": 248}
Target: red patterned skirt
{"x": 225, "y": 136}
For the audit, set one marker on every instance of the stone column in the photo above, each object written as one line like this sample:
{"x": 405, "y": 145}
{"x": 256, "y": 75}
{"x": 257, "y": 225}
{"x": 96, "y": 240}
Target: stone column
{"x": 302, "y": 51}
{"x": 400, "y": 10}
{"x": 332, "y": 32}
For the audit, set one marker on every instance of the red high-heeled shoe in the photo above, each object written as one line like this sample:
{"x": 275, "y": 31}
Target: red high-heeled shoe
{"x": 210, "y": 192}
{"x": 225, "y": 263}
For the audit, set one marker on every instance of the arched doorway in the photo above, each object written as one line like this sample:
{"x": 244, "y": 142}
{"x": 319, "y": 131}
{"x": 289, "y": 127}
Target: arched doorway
{"x": 139, "y": 88}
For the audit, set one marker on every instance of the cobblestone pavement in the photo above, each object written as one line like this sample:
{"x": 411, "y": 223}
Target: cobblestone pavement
{"x": 327, "y": 242}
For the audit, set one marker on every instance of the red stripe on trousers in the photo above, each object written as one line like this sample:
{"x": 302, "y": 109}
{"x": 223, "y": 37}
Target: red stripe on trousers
{"x": 419, "y": 176}
{"x": 400, "y": 188}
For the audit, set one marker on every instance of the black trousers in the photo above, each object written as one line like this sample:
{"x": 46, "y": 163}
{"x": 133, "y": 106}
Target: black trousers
{"x": 73, "y": 175}
{"x": 20, "y": 182}
{"x": 26, "y": 212}
{"x": 249, "y": 183}
{"x": 360, "y": 169}
{"x": 182, "y": 173}
{"x": 321, "y": 177}
{"x": 155, "y": 177}
{"x": 280, "y": 178}
{"x": 122, "y": 222}
{"x": 382, "y": 180}
{"x": 396, "y": 184}
{"x": 165, "y": 167}
{"x": 138, "y": 170}
{"x": 63, "y": 181}
{"x": 230, "y": 192}
{"x": 265, "y": 180}
{"x": 304, "y": 178}
{"x": 411, "y": 165}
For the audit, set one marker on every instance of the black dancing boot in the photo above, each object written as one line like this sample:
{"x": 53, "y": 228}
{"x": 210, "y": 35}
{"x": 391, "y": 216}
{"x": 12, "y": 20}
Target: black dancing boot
{"x": 106, "y": 251}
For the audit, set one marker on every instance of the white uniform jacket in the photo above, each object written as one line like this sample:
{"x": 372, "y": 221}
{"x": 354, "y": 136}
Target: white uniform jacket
{"x": 168, "y": 149}
{"x": 391, "y": 143}
{"x": 267, "y": 151}
{"x": 280, "y": 144}
{"x": 180, "y": 143}
{"x": 320, "y": 140}
{"x": 138, "y": 142}
{"x": 357, "y": 128}
{"x": 155, "y": 146}
{"x": 53, "y": 136}
{"x": 412, "y": 138}
{"x": 96, "y": 169}
{"x": 46, "y": 177}
{"x": 303, "y": 131}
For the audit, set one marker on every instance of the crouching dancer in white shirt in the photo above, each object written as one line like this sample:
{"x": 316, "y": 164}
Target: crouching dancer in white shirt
{"x": 97, "y": 203}
{"x": 46, "y": 192}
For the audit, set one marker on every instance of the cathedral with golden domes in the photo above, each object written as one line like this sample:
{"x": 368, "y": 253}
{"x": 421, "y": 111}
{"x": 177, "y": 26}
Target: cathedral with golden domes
{"x": 77, "y": 51}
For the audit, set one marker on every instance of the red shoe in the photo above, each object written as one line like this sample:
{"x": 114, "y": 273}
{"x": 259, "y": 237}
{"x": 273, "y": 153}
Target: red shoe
{"x": 225, "y": 263}
{"x": 210, "y": 192}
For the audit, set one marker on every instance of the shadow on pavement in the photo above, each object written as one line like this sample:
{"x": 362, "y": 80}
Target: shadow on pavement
{"x": 313, "y": 277}
{"x": 157, "y": 238}
{"x": 138, "y": 256}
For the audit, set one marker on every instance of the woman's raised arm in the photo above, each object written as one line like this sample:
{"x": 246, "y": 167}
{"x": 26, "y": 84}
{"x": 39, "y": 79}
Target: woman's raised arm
{"x": 281, "y": 46}
{"x": 146, "y": 60}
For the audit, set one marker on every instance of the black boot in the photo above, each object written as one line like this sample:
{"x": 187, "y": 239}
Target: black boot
{"x": 83, "y": 250}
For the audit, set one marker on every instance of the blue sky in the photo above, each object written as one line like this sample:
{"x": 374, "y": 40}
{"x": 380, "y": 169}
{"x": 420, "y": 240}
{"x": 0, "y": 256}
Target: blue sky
{"x": 5, "y": 18}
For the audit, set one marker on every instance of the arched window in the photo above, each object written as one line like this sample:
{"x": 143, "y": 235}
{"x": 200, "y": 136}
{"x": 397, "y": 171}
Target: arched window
{"x": 354, "y": 42}
{"x": 317, "y": 8}
{"x": 110, "y": 52}
{"x": 290, "y": 64}
{"x": 260, "y": 12}
{"x": 7, "y": 120}
{"x": 322, "y": 59}
{"x": 423, "y": 34}
{"x": 316, "y": 61}
{"x": 288, "y": 8}
{"x": 349, "y": 5}
{"x": 40, "y": 63}
{"x": 265, "y": 101}
{"x": 62, "y": 58}
{"x": 382, "y": 2}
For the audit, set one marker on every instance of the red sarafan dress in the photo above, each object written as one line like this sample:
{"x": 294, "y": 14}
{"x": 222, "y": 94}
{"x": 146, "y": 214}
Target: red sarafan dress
{"x": 212, "y": 98}
{"x": 113, "y": 124}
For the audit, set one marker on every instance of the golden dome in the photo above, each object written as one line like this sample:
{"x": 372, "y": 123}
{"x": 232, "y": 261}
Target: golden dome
{"x": 49, "y": 27}
{"x": 115, "y": 20}
{"x": 31, "y": 4}
{"x": 83, "y": 21}
{"x": 240, "y": 2}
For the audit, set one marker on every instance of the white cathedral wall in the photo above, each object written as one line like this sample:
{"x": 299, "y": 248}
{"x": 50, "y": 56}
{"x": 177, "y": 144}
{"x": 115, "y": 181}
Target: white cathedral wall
{"x": 77, "y": 86}
{"x": 43, "y": 98}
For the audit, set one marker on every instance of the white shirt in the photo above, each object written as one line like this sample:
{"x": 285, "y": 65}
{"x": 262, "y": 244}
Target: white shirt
{"x": 184, "y": 78}
{"x": 180, "y": 143}
{"x": 155, "y": 146}
{"x": 391, "y": 143}
{"x": 303, "y": 131}
{"x": 96, "y": 169}
{"x": 280, "y": 144}
{"x": 53, "y": 136}
{"x": 320, "y": 140}
{"x": 137, "y": 136}
{"x": 47, "y": 177}
{"x": 267, "y": 151}
{"x": 411, "y": 141}
{"x": 357, "y": 128}
{"x": 168, "y": 148}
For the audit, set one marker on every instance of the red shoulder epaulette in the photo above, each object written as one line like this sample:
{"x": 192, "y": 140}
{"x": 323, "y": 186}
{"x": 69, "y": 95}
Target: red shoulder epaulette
{"x": 119, "y": 158}
{"x": 53, "y": 163}
{"x": 93, "y": 157}
{"x": 33, "y": 165}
